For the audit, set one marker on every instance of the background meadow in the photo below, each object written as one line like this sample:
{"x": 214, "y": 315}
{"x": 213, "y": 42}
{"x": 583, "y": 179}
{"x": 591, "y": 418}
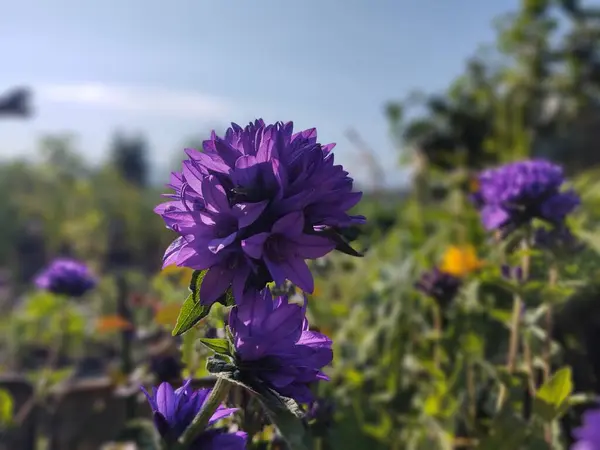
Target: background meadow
{"x": 409, "y": 371}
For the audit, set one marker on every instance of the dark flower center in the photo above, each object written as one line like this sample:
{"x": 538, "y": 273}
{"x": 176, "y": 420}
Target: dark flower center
{"x": 275, "y": 248}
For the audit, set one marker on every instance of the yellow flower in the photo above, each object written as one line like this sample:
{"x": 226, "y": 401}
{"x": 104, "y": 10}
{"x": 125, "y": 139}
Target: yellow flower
{"x": 182, "y": 275}
{"x": 460, "y": 261}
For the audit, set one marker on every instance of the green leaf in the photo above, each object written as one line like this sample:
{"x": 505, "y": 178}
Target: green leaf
{"x": 192, "y": 311}
{"x": 551, "y": 400}
{"x": 190, "y": 314}
{"x": 6, "y": 407}
{"x": 507, "y": 431}
{"x": 217, "y": 345}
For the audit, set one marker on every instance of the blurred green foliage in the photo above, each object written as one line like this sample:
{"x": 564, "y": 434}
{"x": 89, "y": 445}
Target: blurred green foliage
{"x": 406, "y": 375}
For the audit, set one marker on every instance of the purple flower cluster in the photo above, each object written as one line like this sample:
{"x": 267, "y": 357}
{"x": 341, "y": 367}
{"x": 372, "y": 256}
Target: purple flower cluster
{"x": 273, "y": 344}
{"x": 252, "y": 206}
{"x": 588, "y": 435}
{"x": 440, "y": 286}
{"x": 66, "y": 277}
{"x": 514, "y": 194}
{"x": 174, "y": 410}
{"x": 250, "y": 209}
{"x": 512, "y": 273}
{"x": 557, "y": 240}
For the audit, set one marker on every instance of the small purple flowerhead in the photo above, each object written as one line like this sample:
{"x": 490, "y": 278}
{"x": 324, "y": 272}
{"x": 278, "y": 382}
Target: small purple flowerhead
{"x": 440, "y": 286}
{"x": 252, "y": 206}
{"x": 66, "y": 277}
{"x": 320, "y": 415}
{"x": 511, "y": 273}
{"x": 174, "y": 410}
{"x": 558, "y": 239}
{"x": 273, "y": 344}
{"x": 588, "y": 435}
{"x": 514, "y": 194}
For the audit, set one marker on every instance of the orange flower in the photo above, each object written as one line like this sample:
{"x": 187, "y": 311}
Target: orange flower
{"x": 460, "y": 261}
{"x": 107, "y": 324}
{"x": 473, "y": 185}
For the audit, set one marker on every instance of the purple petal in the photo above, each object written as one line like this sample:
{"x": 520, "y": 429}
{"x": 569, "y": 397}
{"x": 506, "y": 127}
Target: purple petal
{"x": 227, "y": 441}
{"x": 165, "y": 401}
{"x": 493, "y": 217}
{"x": 218, "y": 244}
{"x": 248, "y": 212}
{"x": 215, "y": 283}
{"x": 312, "y": 247}
{"x": 314, "y": 339}
{"x": 295, "y": 269}
{"x": 221, "y": 413}
{"x": 214, "y": 195}
{"x": 253, "y": 246}
{"x": 284, "y": 321}
{"x": 290, "y": 225}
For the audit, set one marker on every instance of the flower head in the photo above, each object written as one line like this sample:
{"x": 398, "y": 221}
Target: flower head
{"x": 174, "y": 410}
{"x": 440, "y": 286}
{"x": 273, "y": 343}
{"x": 512, "y": 273}
{"x": 66, "y": 277}
{"x": 460, "y": 260}
{"x": 588, "y": 435}
{"x": 558, "y": 239}
{"x": 512, "y": 195}
{"x": 254, "y": 205}
{"x": 320, "y": 415}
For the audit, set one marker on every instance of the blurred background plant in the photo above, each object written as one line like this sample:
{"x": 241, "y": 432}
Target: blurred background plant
{"x": 410, "y": 372}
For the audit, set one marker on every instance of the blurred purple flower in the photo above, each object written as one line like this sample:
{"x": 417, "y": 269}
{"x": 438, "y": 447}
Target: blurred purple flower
{"x": 588, "y": 435}
{"x": 254, "y": 205}
{"x": 174, "y": 410}
{"x": 440, "y": 286}
{"x": 320, "y": 415}
{"x": 512, "y": 273}
{"x": 66, "y": 277}
{"x": 512, "y": 195}
{"x": 557, "y": 239}
{"x": 274, "y": 344}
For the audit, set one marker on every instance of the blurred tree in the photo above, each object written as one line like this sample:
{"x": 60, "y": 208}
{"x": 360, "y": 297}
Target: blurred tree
{"x": 129, "y": 155}
{"x": 16, "y": 104}
{"x": 543, "y": 76}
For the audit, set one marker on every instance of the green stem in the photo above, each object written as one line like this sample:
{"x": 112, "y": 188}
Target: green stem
{"x": 552, "y": 280}
{"x": 513, "y": 346}
{"x": 215, "y": 398}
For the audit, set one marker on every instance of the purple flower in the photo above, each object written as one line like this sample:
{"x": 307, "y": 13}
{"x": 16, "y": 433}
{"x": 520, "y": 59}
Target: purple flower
{"x": 512, "y": 273}
{"x": 254, "y": 205}
{"x": 588, "y": 435}
{"x": 66, "y": 277}
{"x": 557, "y": 239}
{"x": 320, "y": 415}
{"x": 174, "y": 410}
{"x": 512, "y": 195}
{"x": 440, "y": 286}
{"x": 273, "y": 344}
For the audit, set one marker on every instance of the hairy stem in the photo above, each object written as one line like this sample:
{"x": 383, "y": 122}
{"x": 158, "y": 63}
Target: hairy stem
{"x": 547, "y": 355}
{"x": 513, "y": 345}
{"x": 215, "y": 398}
{"x": 437, "y": 326}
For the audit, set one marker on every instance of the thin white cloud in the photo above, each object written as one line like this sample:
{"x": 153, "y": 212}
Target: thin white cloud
{"x": 139, "y": 99}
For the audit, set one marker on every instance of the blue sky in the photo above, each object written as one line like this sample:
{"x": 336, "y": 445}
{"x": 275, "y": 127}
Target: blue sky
{"x": 177, "y": 69}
